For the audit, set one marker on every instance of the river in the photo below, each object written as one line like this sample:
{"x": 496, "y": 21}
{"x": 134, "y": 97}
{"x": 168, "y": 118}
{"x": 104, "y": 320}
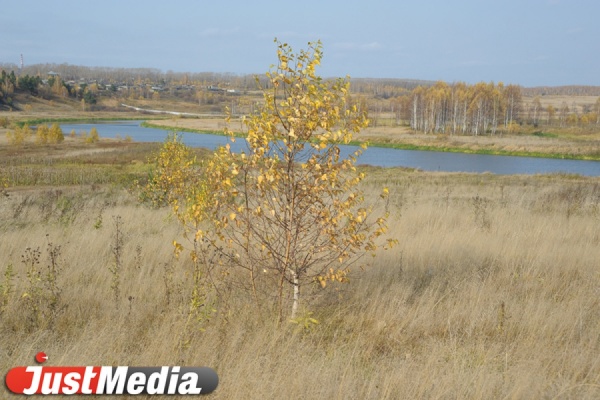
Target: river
{"x": 376, "y": 156}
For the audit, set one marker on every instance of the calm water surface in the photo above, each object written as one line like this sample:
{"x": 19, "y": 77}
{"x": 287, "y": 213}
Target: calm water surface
{"x": 382, "y": 157}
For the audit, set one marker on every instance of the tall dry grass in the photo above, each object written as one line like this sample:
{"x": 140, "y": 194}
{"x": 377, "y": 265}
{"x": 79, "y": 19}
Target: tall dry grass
{"x": 492, "y": 292}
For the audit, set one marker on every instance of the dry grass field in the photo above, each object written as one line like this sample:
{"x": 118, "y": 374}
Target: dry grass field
{"x": 578, "y": 103}
{"x": 492, "y": 292}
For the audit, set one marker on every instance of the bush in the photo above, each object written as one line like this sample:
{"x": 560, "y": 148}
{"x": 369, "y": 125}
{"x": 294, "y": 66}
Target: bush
{"x": 93, "y": 136}
{"x": 19, "y": 135}
{"x": 55, "y": 134}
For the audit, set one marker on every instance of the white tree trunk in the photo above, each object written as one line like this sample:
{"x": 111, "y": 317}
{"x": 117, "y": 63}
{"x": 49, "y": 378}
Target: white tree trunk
{"x": 296, "y": 293}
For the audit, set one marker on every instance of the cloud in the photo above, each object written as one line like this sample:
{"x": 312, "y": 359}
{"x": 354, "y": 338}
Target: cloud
{"x": 212, "y": 32}
{"x": 291, "y": 35}
{"x": 373, "y": 46}
{"x": 575, "y": 31}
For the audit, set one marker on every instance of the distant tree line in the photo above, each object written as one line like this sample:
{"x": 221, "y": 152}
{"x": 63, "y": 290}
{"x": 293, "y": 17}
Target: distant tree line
{"x": 572, "y": 90}
{"x": 108, "y": 75}
{"x": 9, "y": 83}
{"x": 34, "y": 85}
{"x": 386, "y": 88}
{"x": 427, "y": 106}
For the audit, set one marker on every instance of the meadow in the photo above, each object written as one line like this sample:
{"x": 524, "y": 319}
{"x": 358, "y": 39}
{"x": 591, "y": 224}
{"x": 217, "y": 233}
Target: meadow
{"x": 493, "y": 290}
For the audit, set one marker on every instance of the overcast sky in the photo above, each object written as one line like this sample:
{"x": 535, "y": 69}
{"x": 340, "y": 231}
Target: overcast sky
{"x": 527, "y": 42}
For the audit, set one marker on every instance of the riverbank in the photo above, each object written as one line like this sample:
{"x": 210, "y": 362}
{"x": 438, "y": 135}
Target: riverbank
{"x": 567, "y": 143}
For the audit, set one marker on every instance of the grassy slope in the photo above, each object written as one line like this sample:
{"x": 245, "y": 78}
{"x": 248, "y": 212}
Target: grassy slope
{"x": 491, "y": 293}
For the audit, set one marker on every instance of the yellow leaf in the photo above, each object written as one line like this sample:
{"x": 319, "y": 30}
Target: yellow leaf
{"x": 385, "y": 193}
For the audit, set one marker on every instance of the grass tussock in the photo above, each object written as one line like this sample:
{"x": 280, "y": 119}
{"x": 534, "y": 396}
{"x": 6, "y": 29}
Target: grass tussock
{"x": 492, "y": 292}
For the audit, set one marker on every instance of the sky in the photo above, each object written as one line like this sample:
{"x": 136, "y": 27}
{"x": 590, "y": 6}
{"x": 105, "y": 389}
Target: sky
{"x": 525, "y": 42}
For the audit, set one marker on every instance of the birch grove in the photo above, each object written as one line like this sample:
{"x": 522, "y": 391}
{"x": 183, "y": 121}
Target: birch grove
{"x": 484, "y": 108}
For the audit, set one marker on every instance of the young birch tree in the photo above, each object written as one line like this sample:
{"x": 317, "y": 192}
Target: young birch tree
{"x": 287, "y": 213}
